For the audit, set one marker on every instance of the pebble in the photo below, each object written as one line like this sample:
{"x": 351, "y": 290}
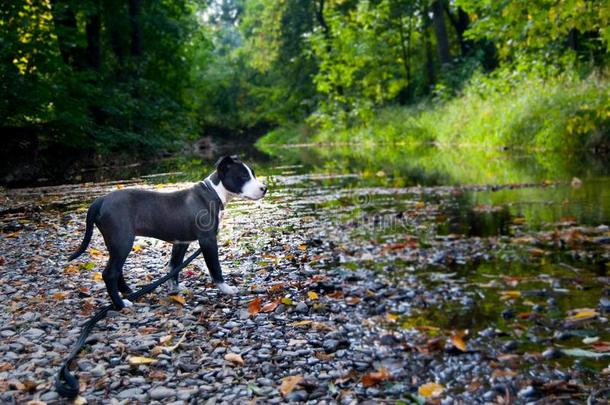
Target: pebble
{"x": 34, "y": 333}
{"x": 161, "y": 393}
{"x": 301, "y": 308}
{"x": 129, "y": 393}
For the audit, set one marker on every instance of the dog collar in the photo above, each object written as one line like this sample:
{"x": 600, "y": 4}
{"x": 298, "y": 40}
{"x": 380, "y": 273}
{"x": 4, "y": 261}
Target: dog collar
{"x": 209, "y": 187}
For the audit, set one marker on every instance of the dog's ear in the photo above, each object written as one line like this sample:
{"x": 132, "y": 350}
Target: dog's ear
{"x": 224, "y": 162}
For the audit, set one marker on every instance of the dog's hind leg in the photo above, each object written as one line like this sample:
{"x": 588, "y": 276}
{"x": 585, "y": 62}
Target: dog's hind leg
{"x": 113, "y": 273}
{"x": 178, "y": 252}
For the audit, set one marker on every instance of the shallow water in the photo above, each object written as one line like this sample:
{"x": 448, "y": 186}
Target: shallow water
{"x": 499, "y": 247}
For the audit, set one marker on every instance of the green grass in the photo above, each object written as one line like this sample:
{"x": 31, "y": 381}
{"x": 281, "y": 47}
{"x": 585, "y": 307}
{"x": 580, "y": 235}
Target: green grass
{"x": 561, "y": 114}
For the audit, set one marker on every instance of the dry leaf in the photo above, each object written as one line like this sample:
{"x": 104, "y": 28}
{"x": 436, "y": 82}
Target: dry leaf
{"x": 312, "y": 295}
{"x": 71, "y": 269}
{"x": 301, "y": 323}
{"x": 288, "y": 384}
{"x": 392, "y": 317}
{"x": 303, "y": 247}
{"x": 510, "y": 294}
{"x": 458, "y": 342}
{"x": 59, "y": 296}
{"x": 352, "y": 300}
{"x": 136, "y": 248}
{"x": 94, "y": 252}
{"x": 374, "y": 378}
{"x": 270, "y": 307}
{"x": 137, "y": 360}
{"x": 336, "y": 295}
{"x": 234, "y": 358}
{"x": 430, "y": 390}
{"x": 286, "y": 301}
{"x": 177, "y": 298}
{"x": 97, "y": 276}
{"x": 254, "y": 307}
{"x": 582, "y": 314}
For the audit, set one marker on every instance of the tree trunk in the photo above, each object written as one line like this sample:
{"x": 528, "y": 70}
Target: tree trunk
{"x": 134, "y": 22}
{"x": 430, "y": 74}
{"x": 321, "y": 20}
{"x": 65, "y": 28}
{"x": 440, "y": 30}
{"x": 460, "y": 24}
{"x": 94, "y": 51}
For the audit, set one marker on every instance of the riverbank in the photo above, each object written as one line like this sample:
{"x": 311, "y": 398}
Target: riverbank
{"x": 564, "y": 115}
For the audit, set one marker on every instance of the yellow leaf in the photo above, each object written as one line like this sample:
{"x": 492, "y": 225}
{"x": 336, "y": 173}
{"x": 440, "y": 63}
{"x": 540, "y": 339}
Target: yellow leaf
{"x": 430, "y": 390}
{"x": 301, "y": 323}
{"x": 94, "y": 252}
{"x": 288, "y": 384}
{"x": 392, "y": 317}
{"x": 59, "y": 296}
{"x": 510, "y": 294}
{"x": 303, "y": 247}
{"x": 286, "y": 301}
{"x": 137, "y": 248}
{"x": 177, "y": 298}
{"x": 71, "y": 269}
{"x": 137, "y": 360}
{"x": 97, "y": 276}
{"x": 582, "y": 314}
{"x": 312, "y": 295}
{"x": 234, "y": 358}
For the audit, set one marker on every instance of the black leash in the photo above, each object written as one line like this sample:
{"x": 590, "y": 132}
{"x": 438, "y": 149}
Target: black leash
{"x": 66, "y": 384}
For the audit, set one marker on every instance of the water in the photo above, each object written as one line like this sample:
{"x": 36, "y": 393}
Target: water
{"x": 491, "y": 241}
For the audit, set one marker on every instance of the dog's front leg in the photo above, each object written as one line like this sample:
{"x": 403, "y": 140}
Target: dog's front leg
{"x": 209, "y": 248}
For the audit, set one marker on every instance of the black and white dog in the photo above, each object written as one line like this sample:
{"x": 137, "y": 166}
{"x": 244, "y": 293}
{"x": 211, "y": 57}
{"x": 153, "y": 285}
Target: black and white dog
{"x": 179, "y": 217}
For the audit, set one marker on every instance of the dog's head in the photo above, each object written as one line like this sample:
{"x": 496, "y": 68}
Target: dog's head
{"x": 238, "y": 178}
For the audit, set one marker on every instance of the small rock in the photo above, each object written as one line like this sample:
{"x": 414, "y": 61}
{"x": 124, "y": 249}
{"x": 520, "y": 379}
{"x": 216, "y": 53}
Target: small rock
{"x": 161, "y": 393}
{"x": 34, "y": 333}
{"x": 129, "y": 393}
{"x": 604, "y": 303}
{"x": 49, "y": 396}
{"x": 302, "y": 308}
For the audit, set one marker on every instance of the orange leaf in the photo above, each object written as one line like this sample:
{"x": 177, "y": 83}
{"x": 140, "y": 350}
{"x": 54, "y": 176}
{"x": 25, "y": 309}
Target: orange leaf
{"x": 288, "y": 384}
{"x": 458, "y": 342}
{"x": 254, "y": 307}
{"x": 352, "y": 300}
{"x": 276, "y": 287}
{"x": 430, "y": 390}
{"x": 312, "y": 295}
{"x": 374, "y": 378}
{"x": 59, "y": 296}
{"x": 177, "y": 298}
{"x": 337, "y": 294}
{"x": 270, "y": 307}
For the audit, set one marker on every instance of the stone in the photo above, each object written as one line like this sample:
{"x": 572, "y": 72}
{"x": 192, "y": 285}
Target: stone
{"x": 161, "y": 393}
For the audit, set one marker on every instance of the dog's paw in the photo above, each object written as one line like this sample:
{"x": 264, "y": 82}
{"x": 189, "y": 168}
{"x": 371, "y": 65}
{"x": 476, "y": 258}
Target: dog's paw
{"x": 227, "y": 289}
{"x": 127, "y": 303}
{"x": 173, "y": 287}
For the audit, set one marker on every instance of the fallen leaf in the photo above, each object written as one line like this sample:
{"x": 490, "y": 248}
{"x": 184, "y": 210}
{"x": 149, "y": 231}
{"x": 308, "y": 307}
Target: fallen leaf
{"x": 254, "y": 306}
{"x": 312, "y": 295}
{"x": 289, "y": 383}
{"x": 276, "y": 288}
{"x": 137, "y": 360}
{"x": 286, "y": 301}
{"x": 71, "y": 269}
{"x": 336, "y": 295}
{"x": 80, "y": 400}
{"x": 270, "y": 307}
{"x": 303, "y": 247}
{"x": 392, "y": 317}
{"x": 510, "y": 294}
{"x": 94, "y": 252}
{"x": 178, "y": 298}
{"x": 497, "y": 373}
{"x": 136, "y": 248}
{"x": 97, "y": 276}
{"x": 157, "y": 375}
{"x": 301, "y": 323}
{"x": 234, "y": 358}
{"x": 430, "y": 390}
{"x": 582, "y": 314}
{"x": 458, "y": 342}
{"x": 374, "y": 378}
{"x": 59, "y": 296}
{"x": 352, "y": 300}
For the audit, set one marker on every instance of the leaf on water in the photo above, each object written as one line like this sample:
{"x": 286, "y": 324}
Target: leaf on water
{"x": 583, "y": 353}
{"x": 582, "y": 314}
{"x": 458, "y": 342}
{"x": 234, "y": 358}
{"x": 97, "y": 276}
{"x": 289, "y": 383}
{"x": 376, "y": 377}
{"x": 137, "y": 360}
{"x": 254, "y": 306}
{"x": 270, "y": 307}
{"x": 430, "y": 390}
{"x": 178, "y": 298}
{"x": 510, "y": 294}
{"x": 312, "y": 295}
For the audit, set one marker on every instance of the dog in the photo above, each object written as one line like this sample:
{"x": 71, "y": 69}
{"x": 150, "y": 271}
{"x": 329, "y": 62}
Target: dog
{"x": 179, "y": 217}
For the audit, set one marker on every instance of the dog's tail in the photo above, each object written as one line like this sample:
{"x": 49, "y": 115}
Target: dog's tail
{"x": 91, "y": 215}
